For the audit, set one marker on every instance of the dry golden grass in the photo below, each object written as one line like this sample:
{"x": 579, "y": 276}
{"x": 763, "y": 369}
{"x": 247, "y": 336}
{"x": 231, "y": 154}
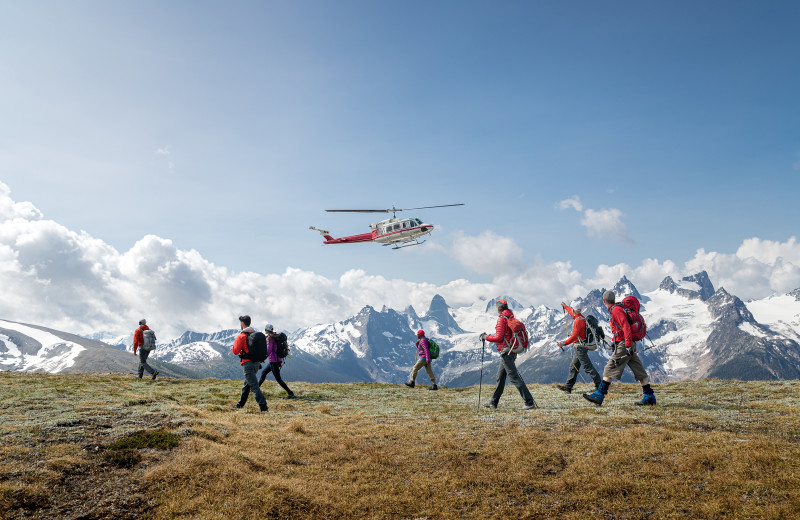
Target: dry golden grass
{"x": 710, "y": 449}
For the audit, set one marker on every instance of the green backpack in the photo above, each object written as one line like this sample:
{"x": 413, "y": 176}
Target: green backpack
{"x": 433, "y": 348}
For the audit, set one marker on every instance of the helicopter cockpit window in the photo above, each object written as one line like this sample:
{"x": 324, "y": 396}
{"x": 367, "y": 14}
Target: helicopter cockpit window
{"x": 419, "y": 222}
{"x": 396, "y": 227}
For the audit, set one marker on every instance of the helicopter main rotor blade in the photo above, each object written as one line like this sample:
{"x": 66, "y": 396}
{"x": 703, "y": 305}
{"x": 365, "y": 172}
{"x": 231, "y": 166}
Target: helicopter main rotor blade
{"x": 429, "y": 207}
{"x": 358, "y": 210}
{"x": 391, "y": 210}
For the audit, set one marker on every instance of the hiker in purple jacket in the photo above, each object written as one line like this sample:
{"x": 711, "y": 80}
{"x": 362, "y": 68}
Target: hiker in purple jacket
{"x": 274, "y": 362}
{"x": 424, "y": 353}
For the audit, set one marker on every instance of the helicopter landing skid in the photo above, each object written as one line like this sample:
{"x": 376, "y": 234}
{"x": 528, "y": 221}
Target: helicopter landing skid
{"x": 415, "y": 243}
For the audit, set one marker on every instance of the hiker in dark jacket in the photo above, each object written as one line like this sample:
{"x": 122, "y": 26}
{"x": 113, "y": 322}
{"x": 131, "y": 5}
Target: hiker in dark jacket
{"x": 138, "y": 341}
{"x": 274, "y": 362}
{"x": 624, "y": 355}
{"x": 502, "y": 339}
{"x": 581, "y": 357}
{"x": 249, "y": 367}
{"x": 424, "y": 353}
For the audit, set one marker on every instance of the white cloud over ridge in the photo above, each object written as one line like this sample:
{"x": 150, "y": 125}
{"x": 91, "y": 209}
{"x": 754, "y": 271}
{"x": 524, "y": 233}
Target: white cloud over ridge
{"x": 68, "y": 280}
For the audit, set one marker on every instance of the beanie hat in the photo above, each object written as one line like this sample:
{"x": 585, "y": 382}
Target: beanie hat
{"x": 143, "y": 322}
{"x": 420, "y": 332}
{"x": 609, "y": 296}
{"x": 269, "y": 327}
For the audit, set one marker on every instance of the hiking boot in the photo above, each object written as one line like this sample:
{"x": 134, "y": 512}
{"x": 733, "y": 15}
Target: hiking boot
{"x": 531, "y": 406}
{"x": 237, "y": 405}
{"x": 410, "y": 384}
{"x": 153, "y": 377}
{"x": 596, "y": 397}
{"x": 647, "y": 400}
{"x": 565, "y": 388}
{"x": 264, "y": 408}
{"x": 291, "y": 396}
{"x": 490, "y": 405}
{"x": 434, "y": 387}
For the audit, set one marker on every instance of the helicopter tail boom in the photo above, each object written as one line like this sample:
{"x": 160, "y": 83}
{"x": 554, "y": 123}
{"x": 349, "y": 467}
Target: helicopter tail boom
{"x": 364, "y": 237}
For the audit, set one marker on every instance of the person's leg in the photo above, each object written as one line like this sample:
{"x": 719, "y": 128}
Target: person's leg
{"x": 640, "y": 374}
{"x": 143, "y": 362}
{"x": 574, "y": 368}
{"x": 582, "y": 359}
{"x": 250, "y": 379}
{"x": 429, "y": 370}
{"x": 588, "y": 367}
{"x": 516, "y": 379}
{"x": 276, "y": 371}
{"x": 501, "y": 382}
{"x": 417, "y": 367}
{"x": 267, "y": 370}
{"x": 245, "y": 392}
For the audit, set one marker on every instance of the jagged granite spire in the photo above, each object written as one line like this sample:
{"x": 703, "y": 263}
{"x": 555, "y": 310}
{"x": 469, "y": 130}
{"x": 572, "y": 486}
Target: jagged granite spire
{"x": 439, "y": 316}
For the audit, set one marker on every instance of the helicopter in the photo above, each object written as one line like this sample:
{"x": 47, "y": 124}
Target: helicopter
{"x": 397, "y": 232}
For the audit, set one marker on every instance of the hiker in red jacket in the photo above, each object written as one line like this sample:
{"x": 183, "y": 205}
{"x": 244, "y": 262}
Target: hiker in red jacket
{"x": 581, "y": 353}
{"x": 507, "y": 366}
{"x": 424, "y": 353}
{"x": 624, "y": 355}
{"x": 249, "y": 367}
{"x": 138, "y": 342}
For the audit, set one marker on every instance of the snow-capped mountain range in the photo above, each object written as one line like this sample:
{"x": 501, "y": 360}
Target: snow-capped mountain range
{"x": 696, "y": 332}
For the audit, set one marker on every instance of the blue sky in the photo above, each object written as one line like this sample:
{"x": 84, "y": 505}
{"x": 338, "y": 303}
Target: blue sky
{"x": 228, "y": 127}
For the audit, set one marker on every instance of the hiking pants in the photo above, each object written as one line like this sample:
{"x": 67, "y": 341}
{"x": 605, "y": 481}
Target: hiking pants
{"x": 428, "y": 368}
{"x": 509, "y": 368}
{"x": 582, "y": 358}
{"x": 620, "y": 359}
{"x": 250, "y": 369}
{"x": 275, "y": 368}
{"x": 143, "y": 362}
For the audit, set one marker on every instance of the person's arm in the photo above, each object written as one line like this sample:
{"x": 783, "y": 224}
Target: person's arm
{"x": 621, "y": 319}
{"x": 569, "y": 311}
{"x": 500, "y": 332}
{"x": 575, "y": 333}
{"x": 240, "y": 345}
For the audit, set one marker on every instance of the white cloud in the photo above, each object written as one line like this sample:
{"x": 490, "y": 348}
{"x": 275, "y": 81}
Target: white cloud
{"x": 488, "y": 253}
{"x": 71, "y": 281}
{"x": 606, "y": 223}
{"x": 162, "y": 151}
{"x": 574, "y": 202}
{"x": 600, "y": 224}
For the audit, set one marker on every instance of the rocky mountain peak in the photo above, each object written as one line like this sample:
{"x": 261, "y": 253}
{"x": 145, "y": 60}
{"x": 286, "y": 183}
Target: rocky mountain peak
{"x": 513, "y": 304}
{"x": 439, "y": 318}
{"x": 625, "y": 287}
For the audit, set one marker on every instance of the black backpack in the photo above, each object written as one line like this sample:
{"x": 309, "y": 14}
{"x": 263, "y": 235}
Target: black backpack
{"x": 594, "y": 333}
{"x": 283, "y": 345}
{"x": 257, "y": 347}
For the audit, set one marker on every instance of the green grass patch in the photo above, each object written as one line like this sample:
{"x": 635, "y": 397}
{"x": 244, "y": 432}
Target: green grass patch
{"x": 158, "y": 440}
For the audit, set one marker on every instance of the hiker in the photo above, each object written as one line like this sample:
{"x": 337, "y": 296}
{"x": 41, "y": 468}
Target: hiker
{"x": 581, "y": 357}
{"x": 246, "y": 348}
{"x": 144, "y": 343}
{"x": 624, "y": 355}
{"x": 424, "y": 353}
{"x": 502, "y": 339}
{"x": 274, "y": 361}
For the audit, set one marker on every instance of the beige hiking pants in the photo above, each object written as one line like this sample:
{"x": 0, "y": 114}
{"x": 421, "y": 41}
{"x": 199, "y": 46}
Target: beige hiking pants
{"x": 418, "y": 365}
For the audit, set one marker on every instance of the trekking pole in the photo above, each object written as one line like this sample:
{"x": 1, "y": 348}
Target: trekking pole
{"x": 652, "y": 345}
{"x": 480, "y": 383}
{"x": 571, "y": 363}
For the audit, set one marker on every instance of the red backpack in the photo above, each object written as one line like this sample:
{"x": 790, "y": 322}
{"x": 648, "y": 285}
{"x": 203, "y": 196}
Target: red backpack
{"x": 519, "y": 336}
{"x": 631, "y": 307}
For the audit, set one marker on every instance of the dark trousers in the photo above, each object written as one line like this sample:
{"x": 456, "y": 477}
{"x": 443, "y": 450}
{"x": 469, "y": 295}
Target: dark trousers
{"x": 275, "y": 368}
{"x": 509, "y": 368}
{"x": 143, "y": 362}
{"x": 581, "y": 357}
{"x": 250, "y": 384}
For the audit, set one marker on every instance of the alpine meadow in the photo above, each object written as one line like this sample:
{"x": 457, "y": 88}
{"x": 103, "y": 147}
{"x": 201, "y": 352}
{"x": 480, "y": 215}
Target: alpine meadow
{"x": 106, "y": 446}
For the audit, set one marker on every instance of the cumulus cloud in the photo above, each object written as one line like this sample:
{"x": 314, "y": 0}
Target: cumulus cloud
{"x": 600, "y": 224}
{"x": 573, "y": 202}
{"x": 71, "y": 281}
{"x": 488, "y": 253}
{"x": 162, "y": 151}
